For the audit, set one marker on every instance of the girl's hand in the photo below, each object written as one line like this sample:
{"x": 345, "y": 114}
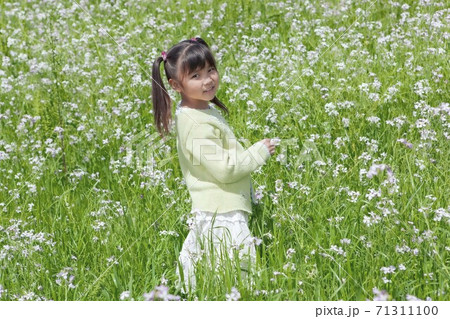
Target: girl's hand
{"x": 270, "y": 145}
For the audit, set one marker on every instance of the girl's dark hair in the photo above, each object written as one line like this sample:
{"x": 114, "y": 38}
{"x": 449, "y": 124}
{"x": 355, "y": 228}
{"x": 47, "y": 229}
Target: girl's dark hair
{"x": 188, "y": 55}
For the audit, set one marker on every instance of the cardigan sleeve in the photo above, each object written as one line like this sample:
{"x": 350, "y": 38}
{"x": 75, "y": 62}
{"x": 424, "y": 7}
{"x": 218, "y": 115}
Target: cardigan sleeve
{"x": 205, "y": 147}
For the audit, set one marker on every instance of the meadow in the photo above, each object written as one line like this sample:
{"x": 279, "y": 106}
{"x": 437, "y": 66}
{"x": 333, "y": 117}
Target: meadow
{"x": 352, "y": 206}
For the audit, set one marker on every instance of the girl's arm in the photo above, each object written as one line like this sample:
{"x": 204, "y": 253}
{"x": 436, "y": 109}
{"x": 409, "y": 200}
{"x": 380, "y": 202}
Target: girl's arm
{"x": 204, "y": 144}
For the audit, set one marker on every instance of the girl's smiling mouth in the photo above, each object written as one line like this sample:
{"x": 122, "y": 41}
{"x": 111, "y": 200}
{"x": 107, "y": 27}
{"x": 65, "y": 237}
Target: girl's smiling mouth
{"x": 212, "y": 88}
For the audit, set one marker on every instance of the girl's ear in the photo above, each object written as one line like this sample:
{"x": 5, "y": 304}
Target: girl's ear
{"x": 174, "y": 84}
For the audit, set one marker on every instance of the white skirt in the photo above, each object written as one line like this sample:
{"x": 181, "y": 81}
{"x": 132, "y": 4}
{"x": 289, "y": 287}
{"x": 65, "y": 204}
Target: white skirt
{"x": 226, "y": 233}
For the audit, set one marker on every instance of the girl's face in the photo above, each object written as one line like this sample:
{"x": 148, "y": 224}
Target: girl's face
{"x": 198, "y": 88}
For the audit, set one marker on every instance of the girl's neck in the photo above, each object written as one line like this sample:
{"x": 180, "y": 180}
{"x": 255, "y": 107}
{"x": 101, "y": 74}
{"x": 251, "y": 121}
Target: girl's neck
{"x": 197, "y": 106}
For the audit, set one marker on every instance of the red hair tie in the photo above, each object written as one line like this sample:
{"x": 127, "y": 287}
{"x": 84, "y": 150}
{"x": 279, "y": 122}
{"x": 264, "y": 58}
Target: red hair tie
{"x": 164, "y": 55}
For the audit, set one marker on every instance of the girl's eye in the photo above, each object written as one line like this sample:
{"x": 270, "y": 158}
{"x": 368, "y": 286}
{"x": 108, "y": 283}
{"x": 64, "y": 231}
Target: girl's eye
{"x": 210, "y": 69}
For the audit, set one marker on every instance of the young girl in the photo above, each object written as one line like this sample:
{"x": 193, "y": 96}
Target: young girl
{"x": 215, "y": 166}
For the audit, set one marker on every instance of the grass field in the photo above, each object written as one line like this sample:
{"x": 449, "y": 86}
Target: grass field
{"x": 352, "y": 206}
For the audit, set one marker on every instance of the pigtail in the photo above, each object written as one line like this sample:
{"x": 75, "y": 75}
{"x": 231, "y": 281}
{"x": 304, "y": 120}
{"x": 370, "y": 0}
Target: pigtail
{"x": 161, "y": 100}
{"x": 217, "y": 102}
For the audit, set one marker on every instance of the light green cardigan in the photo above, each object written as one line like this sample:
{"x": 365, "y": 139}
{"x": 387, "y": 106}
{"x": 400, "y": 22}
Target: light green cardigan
{"x": 215, "y": 166}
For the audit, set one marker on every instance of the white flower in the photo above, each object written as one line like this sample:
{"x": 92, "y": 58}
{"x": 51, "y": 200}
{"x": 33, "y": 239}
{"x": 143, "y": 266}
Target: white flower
{"x": 290, "y": 265}
{"x": 338, "y": 250}
{"x": 380, "y": 295}
{"x": 388, "y": 270}
{"x": 421, "y": 88}
{"x": 160, "y": 292}
{"x": 353, "y": 196}
{"x": 111, "y": 260}
{"x": 58, "y": 129}
{"x": 421, "y": 123}
{"x": 372, "y": 219}
{"x": 290, "y": 252}
{"x": 125, "y": 295}
{"x": 374, "y": 119}
{"x": 2, "y": 290}
{"x": 374, "y": 96}
{"x": 405, "y": 142}
{"x": 412, "y": 298}
{"x": 345, "y": 122}
{"x": 292, "y": 184}
{"x": 168, "y": 233}
{"x": 373, "y": 193}
{"x": 364, "y": 87}
{"x": 330, "y": 109}
{"x": 234, "y": 295}
{"x": 376, "y": 168}
{"x": 256, "y": 241}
